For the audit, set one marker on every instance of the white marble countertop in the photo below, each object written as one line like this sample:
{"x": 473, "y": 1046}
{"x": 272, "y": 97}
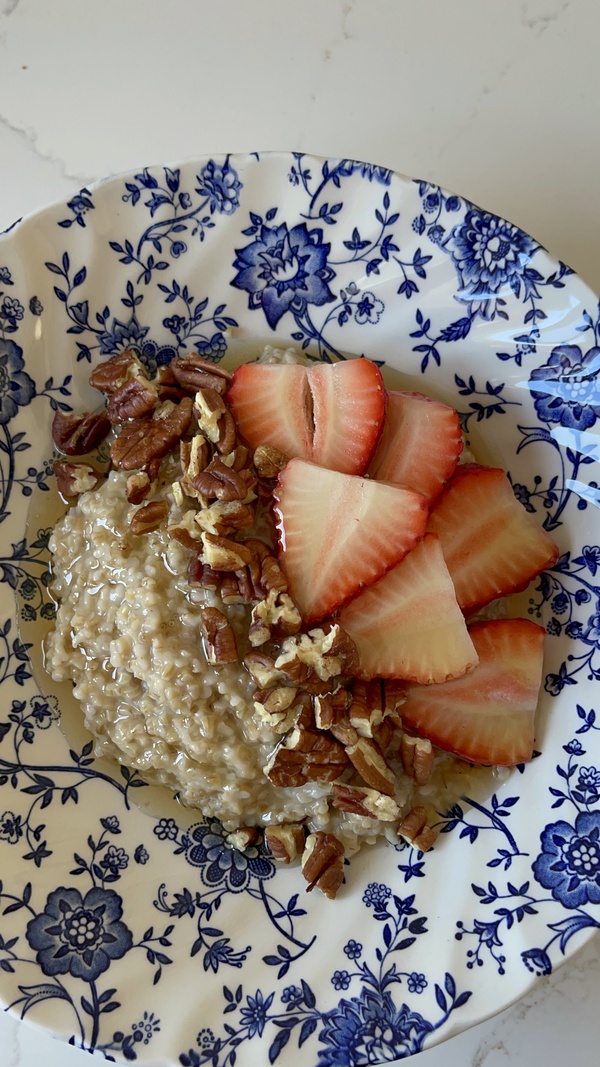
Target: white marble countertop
{"x": 498, "y": 102}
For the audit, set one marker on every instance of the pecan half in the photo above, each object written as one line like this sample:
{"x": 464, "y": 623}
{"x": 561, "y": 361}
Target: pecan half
{"x": 75, "y": 478}
{"x": 418, "y": 758}
{"x": 111, "y": 375}
{"x": 227, "y": 434}
{"x": 261, "y": 668}
{"x": 222, "y": 554}
{"x": 414, "y": 829}
{"x": 76, "y": 434}
{"x": 323, "y": 863}
{"x": 134, "y": 399}
{"x": 229, "y": 589}
{"x": 360, "y": 800}
{"x": 331, "y": 708}
{"x": 306, "y": 756}
{"x": 220, "y": 482}
{"x": 223, "y": 516}
{"x": 269, "y": 461}
{"x": 192, "y": 373}
{"x": 218, "y": 636}
{"x": 200, "y": 573}
{"x": 285, "y": 842}
{"x": 368, "y": 759}
{"x": 145, "y": 439}
{"x": 149, "y": 517}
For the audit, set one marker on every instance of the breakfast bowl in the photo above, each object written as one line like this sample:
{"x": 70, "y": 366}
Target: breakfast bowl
{"x": 129, "y": 922}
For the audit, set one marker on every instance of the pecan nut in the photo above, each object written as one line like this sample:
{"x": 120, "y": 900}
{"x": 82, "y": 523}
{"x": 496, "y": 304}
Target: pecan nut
{"x": 223, "y": 554}
{"x": 285, "y": 842}
{"x": 418, "y": 758}
{"x": 200, "y": 573}
{"x": 414, "y": 829}
{"x": 269, "y": 461}
{"x": 368, "y": 759}
{"x": 273, "y": 617}
{"x": 75, "y": 435}
{"x": 360, "y": 800}
{"x": 323, "y": 863}
{"x": 277, "y": 708}
{"x": 143, "y": 440}
{"x": 134, "y": 399}
{"x": 218, "y": 636}
{"x": 220, "y": 482}
{"x": 367, "y": 707}
{"x": 72, "y": 479}
{"x": 192, "y": 373}
{"x": 331, "y": 708}
{"x": 261, "y": 668}
{"x": 114, "y": 372}
{"x": 327, "y": 651}
{"x": 149, "y": 517}
{"x": 306, "y": 756}
{"x": 244, "y": 838}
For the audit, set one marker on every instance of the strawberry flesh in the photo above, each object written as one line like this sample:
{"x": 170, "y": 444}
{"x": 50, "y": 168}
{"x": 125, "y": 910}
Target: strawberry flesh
{"x": 409, "y": 625}
{"x": 419, "y": 445}
{"x": 491, "y": 545}
{"x": 327, "y": 413}
{"x": 339, "y": 533}
{"x": 488, "y": 715}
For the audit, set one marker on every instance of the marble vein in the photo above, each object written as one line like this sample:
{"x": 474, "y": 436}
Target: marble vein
{"x": 29, "y": 136}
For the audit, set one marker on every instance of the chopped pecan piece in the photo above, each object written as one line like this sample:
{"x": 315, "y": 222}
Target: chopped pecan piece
{"x": 167, "y": 386}
{"x": 149, "y": 517}
{"x": 220, "y": 482}
{"x": 243, "y": 838}
{"x": 272, "y": 576}
{"x": 360, "y": 800}
{"x": 417, "y": 757}
{"x": 75, "y": 478}
{"x": 414, "y": 829}
{"x": 269, "y": 461}
{"x": 146, "y": 439}
{"x": 331, "y": 708}
{"x": 219, "y": 638}
{"x": 192, "y": 373}
{"x": 368, "y": 759}
{"x": 306, "y": 756}
{"x": 366, "y": 709}
{"x": 277, "y": 707}
{"x": 285, "y": 842}
{"x": 222, "y": 554}
{"x": 227, "y": 434}
{"x": 323, "y": 863}
{"x": 273, "y": 617}
{"x": 327, "y": 651}
{"x": 344, "y": 731}
{"x": 262, "y": 669}
{"x": 194, "y": 456}
{"x": 208, "y": 409}
{"x": 200, "y": 573}
{"x": 186, "y": 530}
{"x": 238, "y": 458}
{"x": 394, "y": 696}
{"x": 134, "y": 399}
{"x": 137, "y": 487}
{"x": 75, "y": 435}
{"x": 111, "y": 375}
{"x": 229, "y": 588}
{"x": 223, "y": 516}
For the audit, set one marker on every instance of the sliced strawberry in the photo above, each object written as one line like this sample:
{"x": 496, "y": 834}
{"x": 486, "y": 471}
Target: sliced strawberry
{"x": 408, "y": 625}
{"x": 487, "y": 716}
{"x": 419, "y": 445}
{"x": 327, "y": 413}
{"x": 339, "y": 532}
{"x": 490, "y": 543}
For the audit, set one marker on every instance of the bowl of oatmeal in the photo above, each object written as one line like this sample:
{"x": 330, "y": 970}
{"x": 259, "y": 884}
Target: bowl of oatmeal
{"x": 145, "y": 819}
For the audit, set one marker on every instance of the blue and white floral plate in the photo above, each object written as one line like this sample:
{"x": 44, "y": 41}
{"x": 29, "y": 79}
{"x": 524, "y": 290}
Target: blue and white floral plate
{"x": 142, "y": 935}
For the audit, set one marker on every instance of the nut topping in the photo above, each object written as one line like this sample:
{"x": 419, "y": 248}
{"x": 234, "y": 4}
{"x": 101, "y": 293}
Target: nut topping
{"x": 327, "y": 652}
{"x": 75, "y": 435}
{"x": 285, "y": 842}
{"x": 111, "y": 375}
{"x": 262, "y": 669}
{"x": 220, "y": 482}
{"x": 269, "y": 461}
{"x": 368, "y": 759}
{"x": 330, "y": 709}
{"x": 218, "y": 636}
{"x": 132, "y": 400}
{"x": 149, "y": 517}
{"x": 75, "y": 478}
{"x": 145, "y": 439}
{"x": 192, "y": 373}
{"x": 360, "y": 800}
{"x": 208, "y": 409}
{"x": 366, "y": 709}
{"x": 415, "y": 830}
{"x": 417, "y": 757}
{"x": 306, "y": 756}
{"x": 277, "y": 707}
{"x": 323, "y": 863}
{"x": 243, "y": 838}
{"x": 222, "y": 554}
{"x": 274, "y": 616}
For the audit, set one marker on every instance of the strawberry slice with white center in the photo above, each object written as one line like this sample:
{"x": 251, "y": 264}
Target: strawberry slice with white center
{"x": 488, "y": 716}
{"x": 409, "y": 625}
{"x": 419, "y": 445}
{"x": 327, "y": 413}
{"x": 339, "y": 532}
{"x": 491, "y": 544}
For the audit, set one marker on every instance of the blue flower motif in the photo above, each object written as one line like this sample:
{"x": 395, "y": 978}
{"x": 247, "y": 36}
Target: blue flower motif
{"x": 284, "y": 270}
{"x": 340, "y": 980}
{"x": 111, "y": 823}
{"x": 10, "y": 827}
{"x": 141, "y": 855}
{"x": 114, "y": 860}
{"x": 207, "y": 847}
{"x": 43, "y": 713}
{"x": 213, "y": 350}
{"x": 369, "y": 1029}
{"x": 166, "y": 830}
{"x": 11, "y": 310}
{"x": 79, "y": 935}
{"x": 221, "y": 185}
{"x": 80, "y": 204}
{"x": 254, "y": 1014}
{"x": 436, "y": 234}
{"x": 537, "y": 961}
{"x": 123, "y": 335}
{"x": 489, "y": 254}
{"x": 353, "y": 949}
{"x": 35, "y": 306}
{"x": 376, "y": 895}
{"x": 589, "y": 781}
{"x": 17, "y": 389}
{"x": 569, "y": 864}
{"x": 291, "y": 992}
{"x": 174, "y": 323}
{"x": 431, "y": 202}
{"x": 574, "y": 748}
{"x": 152, "y": 355}
{"x": 566, "y": 390}
{"x": 5, "y": 276}
{"x": 416, "y": 982}
{"x": 368, "y": 309}
{"x": 553, "y": 627}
